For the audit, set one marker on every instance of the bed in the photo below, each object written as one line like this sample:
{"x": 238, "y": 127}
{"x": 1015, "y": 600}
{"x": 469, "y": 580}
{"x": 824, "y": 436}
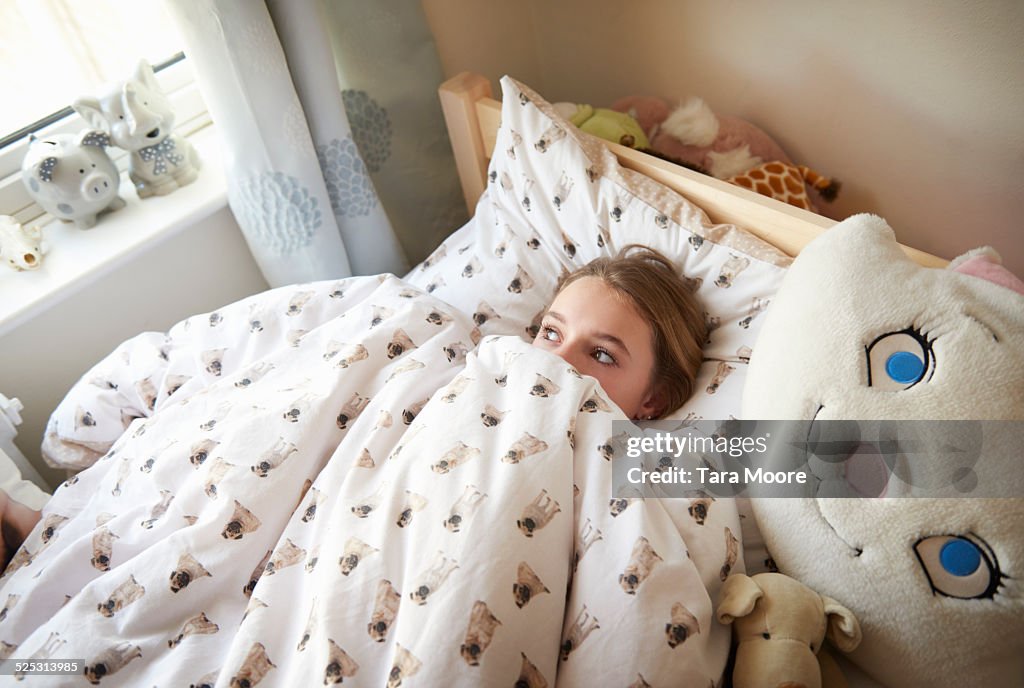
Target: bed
{"x": 377, "y": 480}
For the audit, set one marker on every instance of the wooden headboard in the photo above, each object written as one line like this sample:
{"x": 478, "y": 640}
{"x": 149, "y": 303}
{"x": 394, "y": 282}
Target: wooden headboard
{"x": 473, "y": 117}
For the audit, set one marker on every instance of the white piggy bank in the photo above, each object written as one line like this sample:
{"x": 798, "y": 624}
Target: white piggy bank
{"x": 72, "y": 177}
{"x": 20, "y": 247}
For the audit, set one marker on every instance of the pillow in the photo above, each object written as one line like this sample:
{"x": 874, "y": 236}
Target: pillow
{"x": 557, "y": 198}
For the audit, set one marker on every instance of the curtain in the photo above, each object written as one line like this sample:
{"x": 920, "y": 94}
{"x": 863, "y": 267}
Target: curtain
{"x": 336, "y": 156}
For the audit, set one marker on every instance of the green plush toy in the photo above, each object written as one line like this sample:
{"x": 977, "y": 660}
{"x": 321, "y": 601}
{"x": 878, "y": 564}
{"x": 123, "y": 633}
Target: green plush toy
{"x": 610, "y": 125}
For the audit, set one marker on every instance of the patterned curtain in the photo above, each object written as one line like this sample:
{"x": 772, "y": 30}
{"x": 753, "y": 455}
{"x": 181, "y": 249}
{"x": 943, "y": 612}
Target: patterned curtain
{"x": 336, "y": 155}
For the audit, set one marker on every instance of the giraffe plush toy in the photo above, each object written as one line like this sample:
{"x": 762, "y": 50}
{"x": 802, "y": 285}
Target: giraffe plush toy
{"x": 727, "y": 148}
{"x": 787, "y": 183}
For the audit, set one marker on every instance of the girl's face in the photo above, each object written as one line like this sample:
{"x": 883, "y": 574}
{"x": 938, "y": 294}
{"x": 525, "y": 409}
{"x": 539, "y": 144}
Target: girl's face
{"x": 598, "y": 332}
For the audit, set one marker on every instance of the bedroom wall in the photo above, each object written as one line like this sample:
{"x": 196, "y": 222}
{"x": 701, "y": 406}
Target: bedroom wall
{"x": 916, "y": 106}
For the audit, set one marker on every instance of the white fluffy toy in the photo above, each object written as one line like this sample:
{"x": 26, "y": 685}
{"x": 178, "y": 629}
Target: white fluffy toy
{"x": 860, "y": 332}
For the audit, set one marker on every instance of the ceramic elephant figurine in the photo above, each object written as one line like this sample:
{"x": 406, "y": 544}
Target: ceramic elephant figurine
{"x": 139, "y": 119}
{"x": 71, "y": 176}
{"x": 20, "y": 247}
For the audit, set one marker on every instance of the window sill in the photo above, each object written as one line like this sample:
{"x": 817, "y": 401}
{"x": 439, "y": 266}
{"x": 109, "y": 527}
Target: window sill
{"x": 78, "y": 257}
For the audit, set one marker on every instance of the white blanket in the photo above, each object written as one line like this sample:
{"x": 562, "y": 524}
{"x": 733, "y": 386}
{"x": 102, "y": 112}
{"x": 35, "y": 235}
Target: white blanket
{"x": 371, "y": 504}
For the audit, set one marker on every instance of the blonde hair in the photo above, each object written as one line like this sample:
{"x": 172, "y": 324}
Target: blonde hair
{"x": 656, "y": 290}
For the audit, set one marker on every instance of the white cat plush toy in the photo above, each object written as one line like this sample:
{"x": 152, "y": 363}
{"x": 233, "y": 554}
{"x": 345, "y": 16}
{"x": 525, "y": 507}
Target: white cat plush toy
{"x": 860, "y": 332}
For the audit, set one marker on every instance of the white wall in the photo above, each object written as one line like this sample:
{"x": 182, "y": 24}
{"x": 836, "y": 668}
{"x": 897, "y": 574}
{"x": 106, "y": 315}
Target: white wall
{"x": 194, "y": 271}
{"x": 917, "y": 105}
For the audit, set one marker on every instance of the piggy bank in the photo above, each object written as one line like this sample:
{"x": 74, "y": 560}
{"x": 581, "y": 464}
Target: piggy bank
{"x": 139, "y": 119}
{"x": 72, "y": 177}
{"x": 20, "y": 247}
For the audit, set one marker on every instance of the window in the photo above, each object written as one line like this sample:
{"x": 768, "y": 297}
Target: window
{"x": 53, "y": 51}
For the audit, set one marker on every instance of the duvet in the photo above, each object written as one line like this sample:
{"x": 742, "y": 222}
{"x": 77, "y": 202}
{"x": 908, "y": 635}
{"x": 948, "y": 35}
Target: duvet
{"x": 337, "y": 483}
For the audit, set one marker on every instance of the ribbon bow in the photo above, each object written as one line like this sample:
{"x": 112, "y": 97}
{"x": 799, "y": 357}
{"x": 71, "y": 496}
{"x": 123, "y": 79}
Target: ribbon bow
{"x": 161, "y": 154}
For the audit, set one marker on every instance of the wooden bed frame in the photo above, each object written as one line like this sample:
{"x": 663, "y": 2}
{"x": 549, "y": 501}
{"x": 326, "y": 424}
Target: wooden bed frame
{"x": 473, "y": 117}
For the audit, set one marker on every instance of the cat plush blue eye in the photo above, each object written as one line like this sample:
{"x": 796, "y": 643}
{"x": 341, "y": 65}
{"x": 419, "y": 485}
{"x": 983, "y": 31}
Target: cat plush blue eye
{"x": 904, "y": 367}
{"x": 960, "y": 557}
{"x": 961, "y": 566}
{"x": 897, "y": 361}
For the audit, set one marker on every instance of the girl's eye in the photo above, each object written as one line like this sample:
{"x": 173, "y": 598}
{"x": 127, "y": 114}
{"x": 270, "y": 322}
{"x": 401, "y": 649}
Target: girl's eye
{"x": 602, "y": 356}
{"x": 899, "y": 360}
{"x": 549, "y": 334}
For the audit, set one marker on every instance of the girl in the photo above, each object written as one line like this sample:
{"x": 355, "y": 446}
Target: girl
{"x": 632, "y": 323}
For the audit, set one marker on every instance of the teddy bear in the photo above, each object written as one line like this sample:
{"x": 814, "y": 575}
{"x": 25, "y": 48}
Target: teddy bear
{"x": 779, "y": 625}
{"x": 728, "y": 148}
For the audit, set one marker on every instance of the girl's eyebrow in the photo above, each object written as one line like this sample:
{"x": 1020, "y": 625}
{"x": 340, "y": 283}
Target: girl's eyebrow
{"x": 600, "y": 336}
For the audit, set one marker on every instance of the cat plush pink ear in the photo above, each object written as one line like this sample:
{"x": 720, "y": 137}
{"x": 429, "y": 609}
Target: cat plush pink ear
{"x": 985, "y": 263}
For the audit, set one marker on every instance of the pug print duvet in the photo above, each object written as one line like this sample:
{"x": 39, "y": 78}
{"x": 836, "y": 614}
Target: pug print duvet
{"x": 340, "y": 500}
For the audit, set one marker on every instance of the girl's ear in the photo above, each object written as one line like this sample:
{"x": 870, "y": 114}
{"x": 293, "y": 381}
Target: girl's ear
{"x": 654, "y": 403}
